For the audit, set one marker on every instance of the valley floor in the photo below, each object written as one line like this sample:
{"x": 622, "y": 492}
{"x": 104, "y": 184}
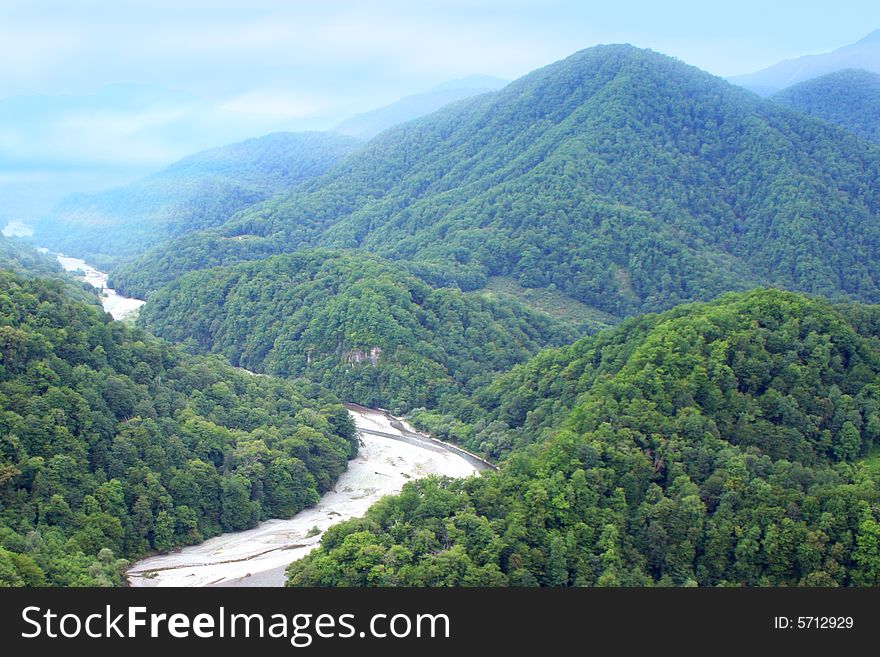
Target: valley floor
{"x": 387, "y": 459}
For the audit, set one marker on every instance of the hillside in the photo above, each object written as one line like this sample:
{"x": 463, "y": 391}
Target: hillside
{"x": 849, "y": 98}
{"x": 864, "y": 54}
{"x": 113, "y": 444}
{"x": 369, "y": 124}
{"x": 357, "y": 324}
{"x": 715, "y": 444}
{"x": 622, "y": 178}
{"x": 19, "y": 257}
{"x": 199, "y": 191}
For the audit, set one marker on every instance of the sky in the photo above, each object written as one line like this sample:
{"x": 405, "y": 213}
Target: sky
{"x": 306, "y": 59}
{"x": 223, "y": 70}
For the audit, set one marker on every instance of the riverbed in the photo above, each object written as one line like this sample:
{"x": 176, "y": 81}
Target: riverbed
{"x": 390, "y": 455}
{"x": 120, "y": 307}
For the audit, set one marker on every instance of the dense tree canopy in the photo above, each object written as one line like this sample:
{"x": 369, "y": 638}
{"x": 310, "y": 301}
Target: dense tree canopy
{"x": 113, "y": 444}
{"x": 848, "y": 98}
{"x": 627, "y": 180}
{"x": 198, "y": 192}
{"x": 19, "y": 256}
{"x": 358, "y": 324}
{"x": 728, "y": 443}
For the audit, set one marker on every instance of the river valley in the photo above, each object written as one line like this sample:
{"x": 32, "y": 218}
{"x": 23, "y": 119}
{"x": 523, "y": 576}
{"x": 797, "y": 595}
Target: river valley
{"x": 390, "y": 455}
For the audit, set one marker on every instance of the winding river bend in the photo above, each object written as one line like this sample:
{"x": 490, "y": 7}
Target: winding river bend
{"x": 391, "y": 454}
{"x": 118, "y": 306}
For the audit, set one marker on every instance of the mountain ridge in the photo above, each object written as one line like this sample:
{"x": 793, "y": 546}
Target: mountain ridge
{"x": 195, "y": 192}
{"x": 627, "y": 179}
{"x": 864, "y": 54}
{"x": 849, "y": 98}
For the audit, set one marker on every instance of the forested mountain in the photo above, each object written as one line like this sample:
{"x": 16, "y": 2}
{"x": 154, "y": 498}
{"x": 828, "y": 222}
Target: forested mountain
{"x": 729, "y": 443}
{"x": 200, "y": 191}
{"x": 113, "y": 444}
{"x": 850, "y": 99}
{"x": 369, "y": 124}
{"x": 864, "y": 54}
{"x": 622, "y": 178}
{"x": 19, "y": 257}
{"x": 359, "y": 325}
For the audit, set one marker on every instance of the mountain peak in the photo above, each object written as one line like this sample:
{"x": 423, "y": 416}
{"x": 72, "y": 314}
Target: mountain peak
{"x": 873, "y": 37}
{"x": 861, "y": 54}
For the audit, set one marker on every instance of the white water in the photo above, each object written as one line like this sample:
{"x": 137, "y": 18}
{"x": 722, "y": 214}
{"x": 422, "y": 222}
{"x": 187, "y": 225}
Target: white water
{"x": 259, "y": 556}
{"x": 114, "y": 303}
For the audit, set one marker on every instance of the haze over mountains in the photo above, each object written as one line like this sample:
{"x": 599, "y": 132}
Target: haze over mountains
{"x": 199, "y": 191}
{"x": 623, "y": 178}
{"x": 453, "y": 267}
{"x": 370, "y": 124}
{"x": 864, "y": 54}
{"x": 51, "y": 146}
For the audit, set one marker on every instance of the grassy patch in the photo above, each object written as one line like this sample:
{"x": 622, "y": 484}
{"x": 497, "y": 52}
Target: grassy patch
{"x": 553, "y": 302}
{"x": 871, "y": 462}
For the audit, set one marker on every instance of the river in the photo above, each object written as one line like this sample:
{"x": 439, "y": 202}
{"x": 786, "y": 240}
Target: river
{"x": 391, "y": 454}
{"x": 118, "y": 306}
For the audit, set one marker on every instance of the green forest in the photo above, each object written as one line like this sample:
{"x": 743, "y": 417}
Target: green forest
{"x": 848, "y": 98}
{"x": 623, "y": 178}
{"x": 355, "y": 323}
{"x": 650, "y": 297}
{"x": 115, "y": 445}
{"x": 720, "y": 444}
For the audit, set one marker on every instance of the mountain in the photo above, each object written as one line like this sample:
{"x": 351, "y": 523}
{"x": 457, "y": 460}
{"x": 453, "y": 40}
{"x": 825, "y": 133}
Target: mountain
{"x": 22, "y": 259}
{"x": 197, "y": 192}
{"x": 848, "y": 98}
{"x": 115, "y": 444}
{"x": 864, "y": 54}
{"x": 52, "y": 146}
{"x": 369, "y": 124}
{"x": 355, "y": 323}
{"x": 622, "y": 178}
{"x": 723, "y": 444}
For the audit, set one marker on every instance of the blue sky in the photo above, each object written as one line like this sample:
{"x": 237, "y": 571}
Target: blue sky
{"x": 311, "y": 59}
{"x": 225, "y": 70}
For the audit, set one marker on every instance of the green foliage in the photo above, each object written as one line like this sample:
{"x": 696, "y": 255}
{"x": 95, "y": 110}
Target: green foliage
{"x": 625, "y": 179}
{"x": 848, "y": 98}
{"x": 113, "y": 444}
{"x": 715, "y": 444}
{"x": 19, "y": 257}
{"x": 359, "y": 325}
{"x": 561, "y": 307}
{"x": 198, "y": 192}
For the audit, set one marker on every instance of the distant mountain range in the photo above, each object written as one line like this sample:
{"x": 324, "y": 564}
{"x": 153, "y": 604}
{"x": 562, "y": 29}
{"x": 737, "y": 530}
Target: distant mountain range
{"x": 199, "y": 191}
{"x": 864, "y": 54}
{"x": 848, "y": 98}
{"x": 370, "y": 124}
{"x": 623, "y": 178}
{"x": 53, "y": 146}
